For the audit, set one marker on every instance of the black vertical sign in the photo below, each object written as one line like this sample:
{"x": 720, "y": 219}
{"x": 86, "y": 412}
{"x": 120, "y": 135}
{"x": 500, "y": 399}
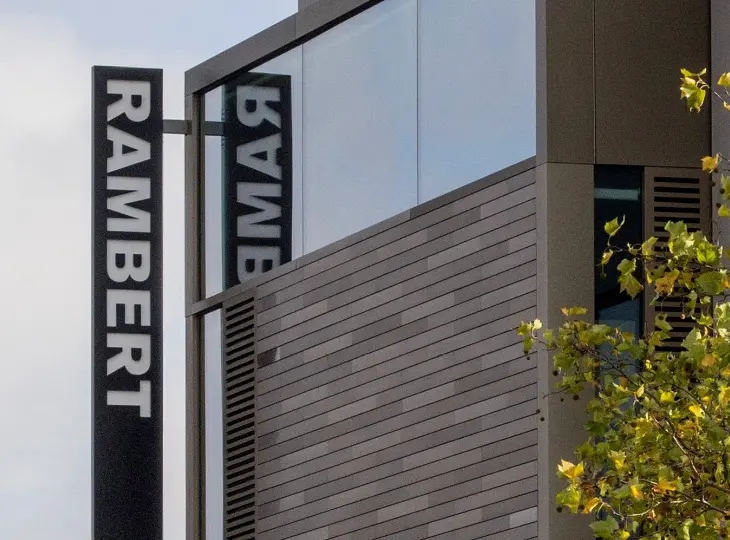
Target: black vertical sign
{"x": 257, "y": 175}
{"x": 127, "y": 303}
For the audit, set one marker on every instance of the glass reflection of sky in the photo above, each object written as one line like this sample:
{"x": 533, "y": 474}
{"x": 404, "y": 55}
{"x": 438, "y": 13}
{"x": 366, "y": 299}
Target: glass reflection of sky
{"x": 402, "y": 103}
{"x": 360, "y": 123}
{"x": 477, "y": 90}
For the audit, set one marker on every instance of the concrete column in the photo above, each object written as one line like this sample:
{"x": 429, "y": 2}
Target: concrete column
{"x": 564, "y": 278}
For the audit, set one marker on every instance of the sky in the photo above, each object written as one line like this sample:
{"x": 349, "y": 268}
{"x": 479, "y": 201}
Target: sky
{"x": 47, "y": 48}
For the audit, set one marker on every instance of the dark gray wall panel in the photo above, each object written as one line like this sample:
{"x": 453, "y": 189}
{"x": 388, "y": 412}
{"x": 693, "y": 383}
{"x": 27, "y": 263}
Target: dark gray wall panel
{"x": 393, "y": 399}
{"x": 653, "y": 127}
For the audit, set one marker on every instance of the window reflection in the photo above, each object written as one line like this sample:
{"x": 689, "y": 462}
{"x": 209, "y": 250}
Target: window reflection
{"x": 290, "y": 63}
{"x": 220, "y": 251}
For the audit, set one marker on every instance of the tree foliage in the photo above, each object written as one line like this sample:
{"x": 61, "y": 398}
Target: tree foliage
{"x": 656, "y": 461}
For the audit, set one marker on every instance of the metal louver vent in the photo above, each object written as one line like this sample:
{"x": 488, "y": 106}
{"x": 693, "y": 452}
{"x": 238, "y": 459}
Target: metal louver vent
{"x": 674, "y": 195}
{"x": 239, "y": 379}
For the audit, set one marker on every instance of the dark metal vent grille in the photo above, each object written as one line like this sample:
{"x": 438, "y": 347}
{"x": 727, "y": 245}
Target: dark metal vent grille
{"x": 239, "y": 379}
{"x": 674, "y": 195}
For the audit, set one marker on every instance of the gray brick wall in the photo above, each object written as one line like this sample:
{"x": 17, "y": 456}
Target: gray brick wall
{"x": 392, "y": 396}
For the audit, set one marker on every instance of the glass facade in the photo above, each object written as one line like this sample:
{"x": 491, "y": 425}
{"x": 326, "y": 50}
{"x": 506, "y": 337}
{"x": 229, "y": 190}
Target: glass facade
{"x": 404, "y": 102}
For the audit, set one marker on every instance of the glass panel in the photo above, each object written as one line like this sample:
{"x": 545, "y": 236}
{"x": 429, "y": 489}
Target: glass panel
{"x": 213, "y": 196}
{"x": 477, "y": 90}
{"x": 260, "y": 210}
{"x": 213, "y": 425}
{"x": 360, "y": 122}
{"x": 290, "y": 63}
{"x": 617, "y": 193}
{"x": 406, "y": 101}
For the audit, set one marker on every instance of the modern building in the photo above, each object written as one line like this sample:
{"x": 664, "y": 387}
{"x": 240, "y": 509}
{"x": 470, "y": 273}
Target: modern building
{"x": 378, "y": 192}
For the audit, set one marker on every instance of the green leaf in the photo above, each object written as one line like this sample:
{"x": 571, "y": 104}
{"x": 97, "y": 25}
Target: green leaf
{"x": 720, "y": 472}
{"x": 724, "y": 211}
{"x": 613, "y": 226}
{"x": 710, "y": 283}
{"x": 525, "y": 329}
{"x": 549, "y": 338}
{"x": 675, "y": 228}
{"x": 708, "y": 254}
{"x": 569, "y": 497}
{"x": 605, "y": 527}
{"x": 692, "y": 92}
{"x": 574, "y": 311}
{"x": 647, "y": 248}
{"x": 724, "y": 80}
{"x": 661, "y": 322}
{"x": 684, "y": 532}
{"x": 627, "y": 266}
{"x": 630, "y": 285}
{"x": 688, "y": 73}
{"x": 694, "y": 345}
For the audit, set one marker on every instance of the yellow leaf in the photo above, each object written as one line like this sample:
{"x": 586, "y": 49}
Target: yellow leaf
{"x": 724, "y": 395}
{"x": 724, "y": 104}
{"x": 665, "y": 485}
{"x": 693, "y": 91}
{"x": 591, "y": 504}
{"x": 665, "y": 284}
{"x": 667, "y": 397}
{"x": 636, "y": 492}
{"x": 724, "y": 80}
{"x": 618, "y": 458}
{"x": 537, "y": 324}
{"x": 623, "y": 534}
{"x": 697, "y": 411}
{"x": 570, "y": 470}
{"x": 709, "y": 360}
{"x": 606, "y": 257}
{"x": 639, "y": 391}
{"x": 710, "y": 164}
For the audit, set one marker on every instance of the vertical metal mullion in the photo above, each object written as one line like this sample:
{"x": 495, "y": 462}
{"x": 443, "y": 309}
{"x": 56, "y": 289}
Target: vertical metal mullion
{"x": 194, "y": 365}
{"x": 194, "y": 202}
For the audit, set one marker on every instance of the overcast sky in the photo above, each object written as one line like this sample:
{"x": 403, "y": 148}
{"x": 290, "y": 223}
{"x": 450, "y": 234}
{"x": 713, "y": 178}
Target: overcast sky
{"x": 47, "y": 48}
